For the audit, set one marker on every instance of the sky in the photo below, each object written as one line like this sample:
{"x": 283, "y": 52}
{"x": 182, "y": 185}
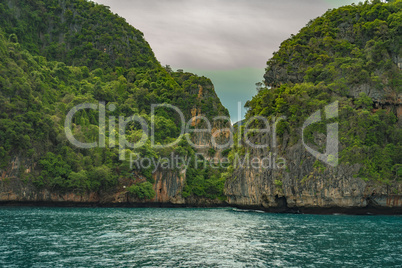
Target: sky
{"x": 228, "y": 41}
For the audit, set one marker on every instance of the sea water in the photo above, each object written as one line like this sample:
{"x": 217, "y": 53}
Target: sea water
{"x": 194, "y": 237}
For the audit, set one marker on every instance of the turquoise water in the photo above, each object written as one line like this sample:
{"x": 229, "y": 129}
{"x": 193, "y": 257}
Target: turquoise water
{"x": 226, "y": 237}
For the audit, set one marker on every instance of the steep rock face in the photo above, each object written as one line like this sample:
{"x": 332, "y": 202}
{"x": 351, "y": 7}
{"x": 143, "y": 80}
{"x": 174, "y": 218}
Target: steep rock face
{"x": 346, "y": 55}
{"x": 168, "y": 187}
{"x": 301, "y": 186}
{"x": 14, "y": 188}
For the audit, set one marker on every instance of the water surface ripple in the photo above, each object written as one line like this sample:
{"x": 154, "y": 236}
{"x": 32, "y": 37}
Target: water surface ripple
{"x": 225, "y": 237}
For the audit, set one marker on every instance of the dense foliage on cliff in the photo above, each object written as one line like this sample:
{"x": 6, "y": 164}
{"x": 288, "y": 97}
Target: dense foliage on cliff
{"x": 351, "y": 55}
{"x": 76, "y": 32}
{"x": 58, "y": 54}
{"x": 346, "y": 47}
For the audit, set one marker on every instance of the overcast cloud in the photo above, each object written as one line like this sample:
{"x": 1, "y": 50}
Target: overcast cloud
{"x": 220, "y": 35}
{"x": 217, "y": 34}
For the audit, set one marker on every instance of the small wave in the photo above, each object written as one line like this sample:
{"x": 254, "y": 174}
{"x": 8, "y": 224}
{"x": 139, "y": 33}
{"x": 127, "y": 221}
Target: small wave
{"x": 248, "y": 210}
{"x": 48, "y": 253}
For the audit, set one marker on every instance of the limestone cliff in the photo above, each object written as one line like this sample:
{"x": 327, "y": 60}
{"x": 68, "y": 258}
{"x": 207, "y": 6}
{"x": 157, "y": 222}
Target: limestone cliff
{"x": 57, "y": 55}
{"x": 304, "y": 187}
{"x": 346, "y": 56}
